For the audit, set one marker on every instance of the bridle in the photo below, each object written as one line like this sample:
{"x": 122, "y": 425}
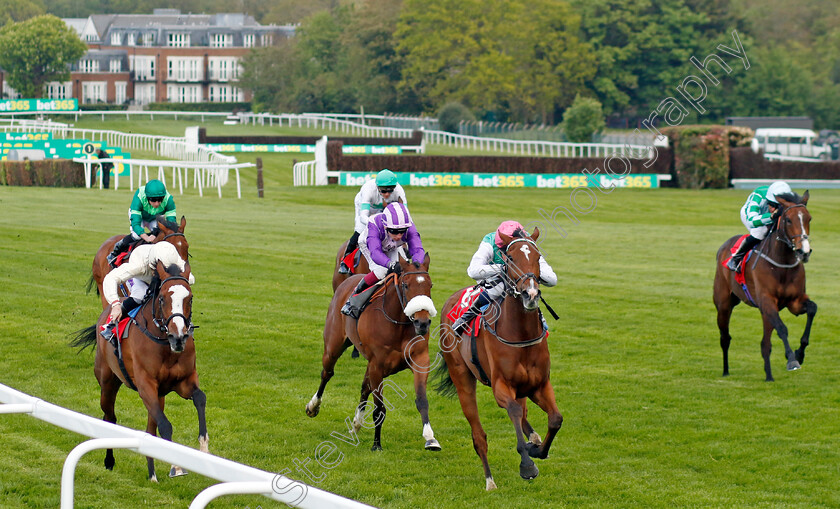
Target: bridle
{"x": 401, "y": 287}
{"x": 512, "y": 286}
{"x": 781, "y": 232}
{"x": 157, "y": 311}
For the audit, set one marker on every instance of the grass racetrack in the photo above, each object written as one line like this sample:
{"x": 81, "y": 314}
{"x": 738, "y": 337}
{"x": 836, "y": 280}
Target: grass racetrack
{"x": 649, "y": 421}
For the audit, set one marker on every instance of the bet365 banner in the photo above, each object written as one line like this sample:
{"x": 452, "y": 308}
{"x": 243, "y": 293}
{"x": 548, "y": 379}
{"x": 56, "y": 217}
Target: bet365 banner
{"x": 24, "y": 105}
{"x": 553, "y": 180}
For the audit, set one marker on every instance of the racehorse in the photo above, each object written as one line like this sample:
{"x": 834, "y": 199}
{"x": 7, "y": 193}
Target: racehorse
{"x": 512, "y": 354}
{"x": 167, "y": 231}
{"x": 774, "y": 278}
{"x": 392, "y": 333}
{"x": 158, "y": 357}
{"x": 361, "y": 268}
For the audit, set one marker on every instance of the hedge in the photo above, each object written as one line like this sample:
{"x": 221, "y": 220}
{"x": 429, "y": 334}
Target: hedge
{"x": 746, "y": 164}
{"x": 200, "y": 107}
{"x": 337, "y": 161}
{"x": 415, "y": 140}
{"x": 701, "y": 153}
{"x": 46, "y": 173}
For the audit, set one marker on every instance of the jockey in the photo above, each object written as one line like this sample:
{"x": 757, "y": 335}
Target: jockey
{"x": 149, "y": 201}
{"x": 381, "y": 242}
{"x": 371, "y": 199}
{"x": 487, "y": 267}
{"x": 758, "y": 214}
{"x": 138, "y": 272}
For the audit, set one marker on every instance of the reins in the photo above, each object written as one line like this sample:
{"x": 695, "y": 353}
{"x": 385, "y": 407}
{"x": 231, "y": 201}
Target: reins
{"x": 397, "y": 282}
{"x": 161, "y": 323}
{"x": 782, "y": 236}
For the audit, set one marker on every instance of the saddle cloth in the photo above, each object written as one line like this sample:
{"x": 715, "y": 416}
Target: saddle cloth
{"x": 739, "y": 274}
{"x": 465, "y": 300}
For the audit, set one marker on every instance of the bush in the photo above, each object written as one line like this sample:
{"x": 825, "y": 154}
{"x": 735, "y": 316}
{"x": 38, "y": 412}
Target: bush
{"x": 701, "y": 155}
{"x": 451, "y": 115}
{"x": 583, "y": 119}
{"x": 49, "y": 173}
{"x": 200, "y": 107}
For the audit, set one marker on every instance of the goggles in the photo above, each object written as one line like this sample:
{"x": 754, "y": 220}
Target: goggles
{"x": 386, "y": 189}
{"x": 396, "y": 231}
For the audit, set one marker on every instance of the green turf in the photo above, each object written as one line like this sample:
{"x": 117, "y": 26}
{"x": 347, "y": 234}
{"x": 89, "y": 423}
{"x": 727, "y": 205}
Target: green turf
{"x": 649, "y": 421}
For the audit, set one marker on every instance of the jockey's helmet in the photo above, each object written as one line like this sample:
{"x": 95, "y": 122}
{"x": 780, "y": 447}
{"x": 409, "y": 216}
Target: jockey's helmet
{"x": 155, "y": 189}
{"x": 776, "y": 188}
{"x": 397, "y": 218}
{"x": 508, "y": 228}
{"x": 386, "y": 179}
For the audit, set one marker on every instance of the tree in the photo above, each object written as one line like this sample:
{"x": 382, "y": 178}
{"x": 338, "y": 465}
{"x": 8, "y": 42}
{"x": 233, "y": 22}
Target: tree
{"x": 19, "y": 10}
{"x": 583, "y": 119}
{"x": 37, "y": 51}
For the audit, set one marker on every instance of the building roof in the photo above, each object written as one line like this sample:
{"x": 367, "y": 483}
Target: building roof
{"x": 77, "y": 24}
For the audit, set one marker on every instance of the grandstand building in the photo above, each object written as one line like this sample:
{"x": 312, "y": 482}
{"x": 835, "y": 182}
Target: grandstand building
{"x": 162, "y": 57}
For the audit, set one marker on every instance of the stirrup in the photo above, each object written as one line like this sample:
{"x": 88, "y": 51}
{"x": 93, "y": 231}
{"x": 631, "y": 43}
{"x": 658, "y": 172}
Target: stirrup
{"x": 733, "y": 265}
{"x": 461, "y": 322}
{"x": 107, "y": 331}
{"x": 343, "y": 268}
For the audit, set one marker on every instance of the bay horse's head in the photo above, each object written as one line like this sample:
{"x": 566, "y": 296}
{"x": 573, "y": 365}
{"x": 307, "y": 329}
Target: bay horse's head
{"x": 522, "y": 266}
{"x": 173, "y": 306}
{"x": 794, "y": 224}
{"x": 174, "y": 234}
{"x": 415, "y": 288}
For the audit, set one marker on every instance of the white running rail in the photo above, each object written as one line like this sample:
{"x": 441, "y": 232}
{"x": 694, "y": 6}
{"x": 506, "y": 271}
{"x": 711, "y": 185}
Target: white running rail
{"x": 236, "y": 478}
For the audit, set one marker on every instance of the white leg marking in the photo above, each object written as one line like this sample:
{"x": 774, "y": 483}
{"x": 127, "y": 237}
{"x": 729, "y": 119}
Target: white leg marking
{"x": 204, "y": 443}
{"x": 491, "y": 484}
{"x": 428, "y": 434}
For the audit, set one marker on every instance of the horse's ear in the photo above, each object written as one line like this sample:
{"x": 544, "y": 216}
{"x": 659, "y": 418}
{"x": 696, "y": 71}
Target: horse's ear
{"x": 784, "y": 203}
{"x": 535, "y": 235}
{"x": 161, "y": 270}
{"x": 805, "y": 198}
{"x": 426, "y": 261}
{"x": 506, "y": 239}
{"x": 162, "y": 227}
{"x": 183, "y": 224}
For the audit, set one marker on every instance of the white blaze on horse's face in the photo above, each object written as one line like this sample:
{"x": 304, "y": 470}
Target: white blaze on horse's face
{"x": 179, "y": 294}
{"x": 532, "y": 291}
{"x": 526, "y": 251}
{"x": 806, "y": 245}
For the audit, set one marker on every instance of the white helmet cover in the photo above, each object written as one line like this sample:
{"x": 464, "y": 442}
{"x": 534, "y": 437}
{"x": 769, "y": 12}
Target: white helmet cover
{"x": 776, "y": 188}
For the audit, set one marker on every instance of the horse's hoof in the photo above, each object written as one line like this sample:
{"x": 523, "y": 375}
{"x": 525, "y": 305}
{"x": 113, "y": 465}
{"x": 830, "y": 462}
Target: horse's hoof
{"x": 177, "y": 471}
{"x": 109, "y": 463}
{"x": 491, "y": 484}
{"x": 312, "y": 412}
{"x": 153, "y": 478}
{"x": 533, "y": 449}
{"x": 793, "y": 365}
{"x": 376, "y": 447}
{"x": 769, "y": 379}
{"x": 432, "y": 445}
{"x": 528, "y": 472}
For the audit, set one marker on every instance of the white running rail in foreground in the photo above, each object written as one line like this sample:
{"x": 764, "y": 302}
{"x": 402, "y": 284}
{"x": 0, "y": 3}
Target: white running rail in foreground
{"x": 236, "y": 478}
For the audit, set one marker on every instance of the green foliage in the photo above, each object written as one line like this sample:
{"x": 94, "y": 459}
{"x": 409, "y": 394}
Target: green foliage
{"x": 701, "y": 155}
{"x": 197, "y": 107}
{"x": 12, "y": 11}
{"x": 583, "y": 119}
{"x": 49, "y": 173}
{"x": 452, "y": 114}
{"x": 37, "y": 51}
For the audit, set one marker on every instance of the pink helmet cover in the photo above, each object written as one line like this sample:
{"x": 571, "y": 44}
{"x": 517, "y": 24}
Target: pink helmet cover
{"x": 508, "y": 228}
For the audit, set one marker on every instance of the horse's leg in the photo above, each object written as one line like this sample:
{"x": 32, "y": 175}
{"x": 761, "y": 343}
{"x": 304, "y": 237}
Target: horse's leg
{"x": 465, "y": 385}
{"x": 772, "y": 315}
{"x": 724, "y": 301}
{"x": 528, "y": 430}
{"x": 188, "y": 389}
{"x": 544, "y": 397}
{"x": 151, "y": 428}
{"x": 363, "y": 401}
{"x": 766, "y": 346}
{"x": 333, "y": 348}
{"x": 810, "y": 307}
{"x": 506, "y": 398}
{"x": 421, "y": 378}
{"x": 109, "y": 384}
{"x": 374, "y": 377}
{"x": 148, "y": 391}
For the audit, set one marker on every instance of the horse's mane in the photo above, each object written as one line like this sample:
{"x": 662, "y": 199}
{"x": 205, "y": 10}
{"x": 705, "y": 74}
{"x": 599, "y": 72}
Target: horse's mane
{"x": 169, "y": 224}
{"x": 173, "y": 270}
{"x": 791, "y": 197}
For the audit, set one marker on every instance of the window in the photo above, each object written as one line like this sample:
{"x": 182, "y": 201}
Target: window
{"x": 222, "y": 40}
{"x": 116, "y": 65}
{"x": 266, "y": 39}
{"x": 183, "y": 93}
{"x": 93, "y": 92}
{"x": 116, "y": 38}
{"x": 119, "y": 89}
{"x": 56, "y": 90}
{"x": 144, "y": 93}
{"x": 178, "y": 40}
{"x": 89, "y": 66}
{"x": 248, "y": 40}
{"x": 223, "y": 68}
{"x": 149, "y": 39}
{"x": 130, "y": 38}
{"x": 144, "y": 68}
{"x": 225, "y": 93}
{"x": 184, "y": 69}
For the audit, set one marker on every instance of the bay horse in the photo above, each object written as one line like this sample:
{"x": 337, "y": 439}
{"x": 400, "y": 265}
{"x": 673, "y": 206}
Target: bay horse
{"x": 513, "y": 354}
{"x": 158, "y": 357}
{"x": 775, "y": 279}
{"x": 167, "y": 231}
{"x": 393, "y": 328}
{"x": 361, "y": 268}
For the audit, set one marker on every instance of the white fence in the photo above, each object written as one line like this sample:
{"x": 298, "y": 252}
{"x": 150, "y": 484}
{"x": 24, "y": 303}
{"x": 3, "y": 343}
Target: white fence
{"x": 314, "y": 173}
{"x": 236, "y": 478}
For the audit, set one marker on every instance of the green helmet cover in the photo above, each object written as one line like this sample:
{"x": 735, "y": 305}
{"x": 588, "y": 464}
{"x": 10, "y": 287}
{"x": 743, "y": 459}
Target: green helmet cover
{"x": 155, "y": 189}
{"x": 386, "y": 178}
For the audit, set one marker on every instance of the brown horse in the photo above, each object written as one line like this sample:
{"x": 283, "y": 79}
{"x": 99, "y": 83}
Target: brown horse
{"x": 361, "y": 268}
{"x": 167, "y": 231}
{"x": 512, "y": 352}
{"x": 158, "y": 357}
{"x": 775, "y": 279}
{"x": 393, "y": 328}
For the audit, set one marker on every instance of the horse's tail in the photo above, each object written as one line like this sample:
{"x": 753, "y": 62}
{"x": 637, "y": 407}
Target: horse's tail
{"x": 442, "y": 381}
{"x": 91, "y": 284}
{"x": 84, "y": 338}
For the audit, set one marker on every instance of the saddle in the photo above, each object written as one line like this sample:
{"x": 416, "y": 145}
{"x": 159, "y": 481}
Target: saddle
{"x": 122, "y": 257}
{"x": 352, "y": 260}
{"x": 469, "y": 349}
{"x": 739, "y": 274}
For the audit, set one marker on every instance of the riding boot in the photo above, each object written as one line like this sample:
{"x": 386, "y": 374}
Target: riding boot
{"x": 471, "y": 313}
{"x": 748, "y": 243}
{"x": 119, "y": 247}
{"x": 356, "y": 302}
{"x": 129, "y": 305}
{"x": 108, "y": 331}
{"x": 352, "y": 244}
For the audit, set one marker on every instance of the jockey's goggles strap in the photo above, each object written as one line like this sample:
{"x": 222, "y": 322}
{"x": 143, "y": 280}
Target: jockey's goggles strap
{"x": 386, "y": 189}
{"x": 396, "y": 231}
